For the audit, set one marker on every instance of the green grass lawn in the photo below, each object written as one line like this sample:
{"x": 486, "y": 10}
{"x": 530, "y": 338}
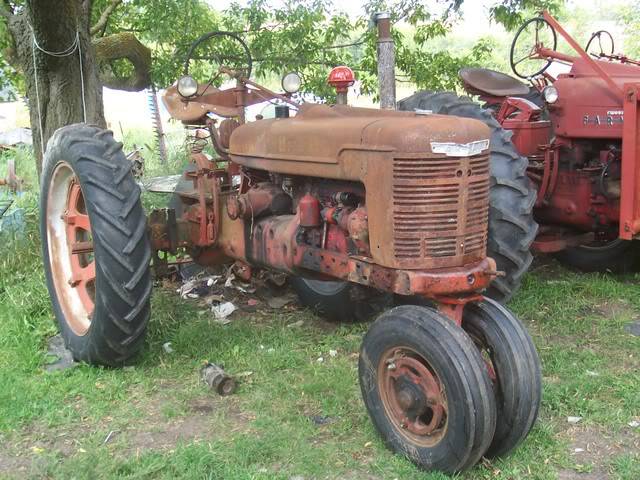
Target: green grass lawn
{"x": 157, "y": 420}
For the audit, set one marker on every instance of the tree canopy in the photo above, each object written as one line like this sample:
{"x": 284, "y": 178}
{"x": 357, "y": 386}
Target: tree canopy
{"x": 308, "y": 36}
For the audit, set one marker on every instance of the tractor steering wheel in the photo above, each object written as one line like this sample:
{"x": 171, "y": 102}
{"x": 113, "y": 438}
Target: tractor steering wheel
{"x": 229, "y": 51}
{"x": 535, "y": 32}
{"x": 598, "y": 36}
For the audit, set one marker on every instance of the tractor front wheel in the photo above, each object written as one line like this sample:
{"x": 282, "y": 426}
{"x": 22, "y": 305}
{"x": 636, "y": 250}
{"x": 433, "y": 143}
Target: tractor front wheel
{"x": 427, "y": 389}
{"x": 95, "y": 246}
{"x": 514, "y": 367}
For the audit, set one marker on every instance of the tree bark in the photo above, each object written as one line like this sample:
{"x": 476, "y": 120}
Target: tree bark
{"x": 58, "y": 100}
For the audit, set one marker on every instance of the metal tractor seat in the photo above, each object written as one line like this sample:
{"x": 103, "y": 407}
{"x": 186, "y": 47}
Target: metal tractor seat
{"x": 484, "y": 80}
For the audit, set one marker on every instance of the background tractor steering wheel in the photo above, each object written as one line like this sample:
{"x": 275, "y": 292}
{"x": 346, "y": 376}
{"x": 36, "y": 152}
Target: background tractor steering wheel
{"x": 601, "y": 39}
{"x": 228, "y": 50}
{"x": 535, "y": 32}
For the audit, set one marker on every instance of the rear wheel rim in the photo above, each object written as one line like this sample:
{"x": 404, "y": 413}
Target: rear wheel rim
{"x": 413, "y": 396}
{"x": 70, "y": 244}
{"x": 599, "y": 245}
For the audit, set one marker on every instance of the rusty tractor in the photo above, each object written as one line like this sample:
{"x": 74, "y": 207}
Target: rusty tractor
{"x": 576, "y": 157}
{"x": 354, "y": 204}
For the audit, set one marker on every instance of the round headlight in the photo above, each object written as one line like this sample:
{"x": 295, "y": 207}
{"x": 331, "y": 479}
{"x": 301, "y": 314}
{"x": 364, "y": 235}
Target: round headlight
{"x": 187, "y": 86}
{"x": 550, "y": 94}
{"x": 291, "y": 82}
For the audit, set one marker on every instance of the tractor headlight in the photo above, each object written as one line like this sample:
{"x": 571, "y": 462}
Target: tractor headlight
{"x": 550, "y": 94}
{"x": 291, "y": 82}
{"x": 187, "y": 86}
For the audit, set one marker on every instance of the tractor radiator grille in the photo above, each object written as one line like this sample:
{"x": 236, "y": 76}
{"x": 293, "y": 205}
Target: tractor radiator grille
{"x": 441, "y": 210}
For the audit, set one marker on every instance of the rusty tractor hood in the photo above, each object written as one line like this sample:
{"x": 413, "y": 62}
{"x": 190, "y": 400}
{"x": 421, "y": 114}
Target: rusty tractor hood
{"x": 320, "y": 133}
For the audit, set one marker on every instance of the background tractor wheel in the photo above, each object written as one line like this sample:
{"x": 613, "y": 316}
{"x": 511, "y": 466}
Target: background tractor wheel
{"x": 514, "y": 368}
{"x": 511, "y": 225}
{"x": 95, "y": 245}
{"x": 616, "y": 256}
{"x": 427, "y": 389}
{"x": 340, "y": 301}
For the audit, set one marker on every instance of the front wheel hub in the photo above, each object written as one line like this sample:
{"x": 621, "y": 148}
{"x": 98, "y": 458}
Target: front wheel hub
{"x": 413, "y": 396}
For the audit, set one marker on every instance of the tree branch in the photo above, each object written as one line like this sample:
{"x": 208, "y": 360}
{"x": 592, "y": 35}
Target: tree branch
{"x": 104, "y": 18}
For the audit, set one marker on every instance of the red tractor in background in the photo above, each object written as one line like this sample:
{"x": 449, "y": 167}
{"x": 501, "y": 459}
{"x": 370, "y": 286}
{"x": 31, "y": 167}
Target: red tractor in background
{"x": 573, "y": 133}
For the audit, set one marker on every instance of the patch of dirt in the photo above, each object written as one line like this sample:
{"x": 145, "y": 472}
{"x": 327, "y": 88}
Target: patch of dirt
{"x": 595, "y": 446}
{"x": 615, "y": 307}
{"x": 201, "y": 422}
{"x": 573, "y": 475}
{"x": 208, "y": 417}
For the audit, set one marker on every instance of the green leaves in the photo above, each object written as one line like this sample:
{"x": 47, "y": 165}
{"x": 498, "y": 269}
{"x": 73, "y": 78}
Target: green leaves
{"x": 308, "y": 36}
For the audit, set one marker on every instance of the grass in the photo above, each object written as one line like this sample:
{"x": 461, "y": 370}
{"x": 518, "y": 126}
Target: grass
{"x": 161, "y": 422}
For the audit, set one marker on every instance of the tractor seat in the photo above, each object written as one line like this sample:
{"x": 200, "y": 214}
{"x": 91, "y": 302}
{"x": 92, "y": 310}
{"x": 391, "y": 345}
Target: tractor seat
{"x": 493, "y": 83}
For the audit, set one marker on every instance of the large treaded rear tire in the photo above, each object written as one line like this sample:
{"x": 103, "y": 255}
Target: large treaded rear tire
{"x": 121, "y": 246}
{"x": 512, "y": 228}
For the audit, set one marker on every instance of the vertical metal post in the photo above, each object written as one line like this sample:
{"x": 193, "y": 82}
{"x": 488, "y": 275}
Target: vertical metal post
{"x": 386, "y": 62}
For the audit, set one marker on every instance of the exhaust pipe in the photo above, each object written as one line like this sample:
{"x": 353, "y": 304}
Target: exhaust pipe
{"x": 386, "y": 62}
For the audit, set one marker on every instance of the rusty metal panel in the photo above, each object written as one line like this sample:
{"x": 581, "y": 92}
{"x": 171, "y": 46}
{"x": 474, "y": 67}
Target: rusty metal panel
{"x": 630, "y": 198}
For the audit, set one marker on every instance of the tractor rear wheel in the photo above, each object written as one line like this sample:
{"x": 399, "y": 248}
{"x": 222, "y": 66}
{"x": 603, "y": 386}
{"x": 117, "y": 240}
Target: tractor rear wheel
{"x": 427, "y": 389}
{"x": 512, "y": 228}
{"x": 514, "y": 368}
{"x": 340, "y": 301}
{"x": 616, "y": 256}
{"x": 95, "y": 246}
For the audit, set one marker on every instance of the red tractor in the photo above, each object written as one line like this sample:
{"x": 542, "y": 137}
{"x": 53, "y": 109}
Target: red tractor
{"x": 565, "y": 146}
{"x": 353, "y": 204}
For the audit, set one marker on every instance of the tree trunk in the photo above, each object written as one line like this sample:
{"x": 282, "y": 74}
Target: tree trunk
{"x": 58, "y": 100}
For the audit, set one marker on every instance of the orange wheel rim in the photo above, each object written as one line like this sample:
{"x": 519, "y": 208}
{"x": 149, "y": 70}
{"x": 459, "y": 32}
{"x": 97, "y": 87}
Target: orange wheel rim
{"x": 413, "y": 396}
{"x": 71, "y": 251}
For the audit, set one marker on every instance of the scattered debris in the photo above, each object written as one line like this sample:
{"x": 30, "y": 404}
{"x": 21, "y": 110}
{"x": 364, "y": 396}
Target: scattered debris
{"x": 279, "y": 302}
{"x": 222, "y": 292}
{"x": 167, "y": 348}
{"x": 591, "y": 373}
{"x": 573, "y": 420}
{"x": 222, "y": 312}
{"x": 165, "y": 184}
{"x": 57, "y": 349}
{"x": 137, "y": 163}
{"x": 17, "y": 136}
{"x": 333, "y": 353}
{"x": 108, "y": 437}
{"x": 634, "y": 424}
{"x": 217, "y": 379}
{"x": 578, "y": 450}
{"x": 12, "y": 181}
{"x": 633, "y": 328}
{"x": 321, "y": 419}
{"x": 320, "y": 359}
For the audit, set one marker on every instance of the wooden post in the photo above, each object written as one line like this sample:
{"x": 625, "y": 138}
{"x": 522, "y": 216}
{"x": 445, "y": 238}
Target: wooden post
{"x": 386, "y": 62}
